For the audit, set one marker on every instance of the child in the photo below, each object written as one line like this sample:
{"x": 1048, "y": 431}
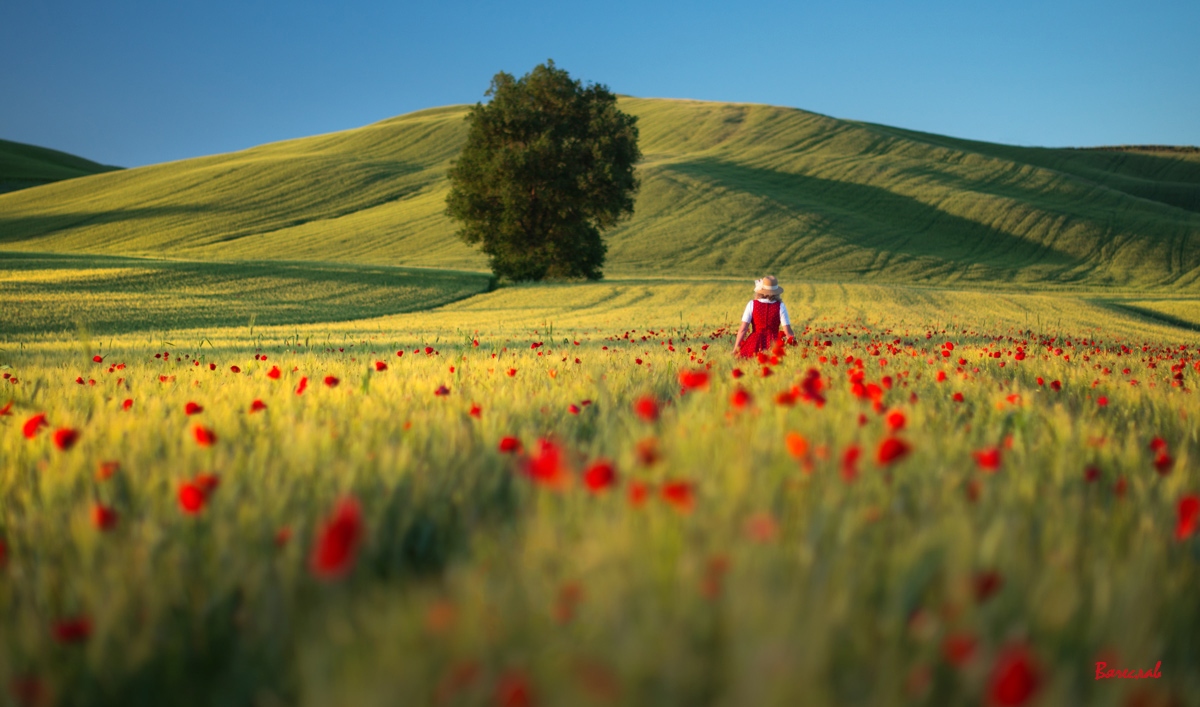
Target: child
{"x": 765, "y": 313}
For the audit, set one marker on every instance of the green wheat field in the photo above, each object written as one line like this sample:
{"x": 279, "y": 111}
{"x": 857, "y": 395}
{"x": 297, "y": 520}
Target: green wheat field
{"x": 270, "y": 435}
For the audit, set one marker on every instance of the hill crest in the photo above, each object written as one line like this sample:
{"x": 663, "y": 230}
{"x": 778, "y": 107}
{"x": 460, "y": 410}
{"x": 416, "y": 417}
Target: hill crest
{"x": 728, "y": 190}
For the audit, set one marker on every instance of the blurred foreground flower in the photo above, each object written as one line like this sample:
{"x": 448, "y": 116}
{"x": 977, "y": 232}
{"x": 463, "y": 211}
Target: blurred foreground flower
{"x": 1014, "y": 678}
{"x": 337, "y": 541}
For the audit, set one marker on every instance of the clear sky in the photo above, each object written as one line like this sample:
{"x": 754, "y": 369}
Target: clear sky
{"x": 135, "y": 82}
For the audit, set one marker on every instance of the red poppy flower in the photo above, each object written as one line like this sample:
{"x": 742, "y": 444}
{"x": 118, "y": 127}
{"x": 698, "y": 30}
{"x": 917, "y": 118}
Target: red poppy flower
{"x": 476, "y": 411}
{"x": 128, "y": 403}
{"x": 740, "y": 399}
{"x": 3, "y": 554}
{"x": 1163, "y": 463}
{"x": 1158, "y": 444}
{"x": 797, "y": 446}
{"x": 331, "y": 381}
{"x": 1015, "y": 677}
{"x": 680, "y": 494}
{"x": 940, "y": 377}
{"x": 257, "y": 406}
{"x": 896, "y": 421}
{"x": 600, "y": 476}
{"x": 988, "y": 459}
{"x": 510, "y": 445}
{"x": 33, "y": 424}
{"x": 302, "y": 386}
{"x": 338, "y": 541}
{"x": 73, "y": 630}
{"x": 737, "y": 373}
{"x": 380, "y": 366}
{"x": 646, "y": 408}
{"x": 192, "y": 409}
{"x": 638, "y": 493}
{"x": 274, "y": 373}
{"x": 1102, "y": 401}
{"x": 511, "y": 372}
{"x": 957, "y": 397}
{"x": 1091, "y": 474}
{"x": 985, "y": 584}
{"x": 892, "y": 450}
{"x": 573, "y": 409}
{"x": 103, "y": 517}
{"x": 546, "y": 467}
{"x": 569, "y": 596}
{"x": 1188, "y": 510}
{"x": 1055, "y": 386}
{"x": 958, "y": 648}
{"x": 811, "y": 386}
{"x": 107, "y": 469}
{"x": 207, "y": 483}
{"x": 205, "y": 436}
{"x": 428, "y": 350}
{"x": 693, "y": 380}
{"x": 714, "y": 574}
{"x": 647, "y": 451}
{"x": 441, "y": 391}
{"x": 98, "y": 359}
{"x": 513, "y": 690}
{"x": 6, "y": 410}
{"x": 761, "y": 528}
{"x": 234, "y": 369}
{"x": 65, "y": 438}
{"x": 850, "y": 463}
{"x": 399, "y": 354}
{"x": 29, "y": 691}
{"x": 192, "y": 498}
{"x": 786, "y": 399}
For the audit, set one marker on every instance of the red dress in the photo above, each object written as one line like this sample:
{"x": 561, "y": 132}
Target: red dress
{"x": 766, "y": 329}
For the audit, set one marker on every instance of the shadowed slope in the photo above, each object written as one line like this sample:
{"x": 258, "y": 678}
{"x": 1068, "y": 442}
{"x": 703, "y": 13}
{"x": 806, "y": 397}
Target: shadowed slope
{"x": 23, "y": 166}
{"x": 728, "y": 190}
{"x": 46, "y": 293}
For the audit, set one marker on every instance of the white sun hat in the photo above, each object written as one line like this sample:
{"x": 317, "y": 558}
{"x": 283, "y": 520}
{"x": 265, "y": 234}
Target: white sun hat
{"x": 768, "y": 286}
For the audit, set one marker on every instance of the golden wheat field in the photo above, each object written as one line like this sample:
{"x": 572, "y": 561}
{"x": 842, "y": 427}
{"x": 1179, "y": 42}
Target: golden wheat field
{"x": 575, "y": 495}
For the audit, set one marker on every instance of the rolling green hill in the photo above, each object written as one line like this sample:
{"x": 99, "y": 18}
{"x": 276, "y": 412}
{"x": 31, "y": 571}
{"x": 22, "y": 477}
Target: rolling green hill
{"x": 23, "y": 166}
{"x": 729, "y": 190}
{"x": 51, "y": 292}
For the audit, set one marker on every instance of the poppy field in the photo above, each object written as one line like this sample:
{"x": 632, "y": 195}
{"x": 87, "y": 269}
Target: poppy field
{"x": 576, "y": 495}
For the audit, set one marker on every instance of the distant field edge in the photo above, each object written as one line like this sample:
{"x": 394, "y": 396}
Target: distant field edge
{"x": 55, "y": 293}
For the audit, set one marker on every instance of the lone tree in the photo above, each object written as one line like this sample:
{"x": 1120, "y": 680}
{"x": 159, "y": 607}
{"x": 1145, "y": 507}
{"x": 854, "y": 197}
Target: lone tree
{"x": 547, "y": 166}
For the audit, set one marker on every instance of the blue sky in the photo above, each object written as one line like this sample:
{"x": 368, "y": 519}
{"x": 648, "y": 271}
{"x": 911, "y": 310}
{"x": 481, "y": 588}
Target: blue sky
{"x": 132, "y": 83}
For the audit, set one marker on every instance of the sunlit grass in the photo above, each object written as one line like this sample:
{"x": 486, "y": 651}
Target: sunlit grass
{"x": 788, "y": 580}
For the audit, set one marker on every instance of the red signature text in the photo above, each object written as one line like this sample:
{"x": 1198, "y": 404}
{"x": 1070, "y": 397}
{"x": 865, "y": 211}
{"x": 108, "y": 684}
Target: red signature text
{"x": 1102, "y": 674}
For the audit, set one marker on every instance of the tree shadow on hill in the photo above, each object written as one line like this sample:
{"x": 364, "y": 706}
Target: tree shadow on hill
{"x": 882, "y": 221}
{"x": 116, "y": 295}
{"x": 1167, "y": 178}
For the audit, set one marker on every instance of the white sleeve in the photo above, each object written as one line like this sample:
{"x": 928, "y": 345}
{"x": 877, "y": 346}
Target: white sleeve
{"x": 748, "y": 315}
{"x": 783, "y": 315}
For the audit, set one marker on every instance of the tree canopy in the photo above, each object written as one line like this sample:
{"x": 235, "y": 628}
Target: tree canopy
{"x": 548, "y": 164}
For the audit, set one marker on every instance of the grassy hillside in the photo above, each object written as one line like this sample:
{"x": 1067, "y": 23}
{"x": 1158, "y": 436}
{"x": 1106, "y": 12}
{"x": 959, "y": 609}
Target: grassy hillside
{"x": 728, "y": 190}
{"x": 23, "y": 166}
{"x": 47, "y": 293}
